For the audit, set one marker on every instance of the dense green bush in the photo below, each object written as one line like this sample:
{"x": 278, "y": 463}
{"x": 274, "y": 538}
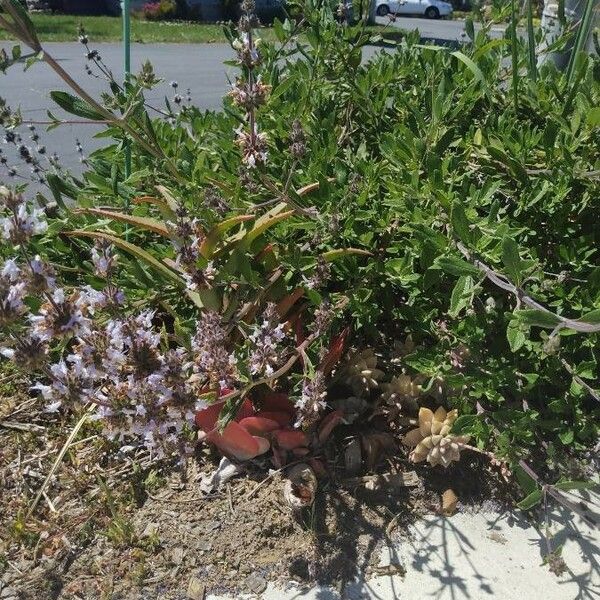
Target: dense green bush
{"x": 472, "y": 186}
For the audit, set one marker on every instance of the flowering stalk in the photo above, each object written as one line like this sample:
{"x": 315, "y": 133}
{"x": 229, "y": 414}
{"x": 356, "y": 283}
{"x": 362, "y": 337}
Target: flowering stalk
{"x": 21, "y": 27}
{"x": 251, "y": 93}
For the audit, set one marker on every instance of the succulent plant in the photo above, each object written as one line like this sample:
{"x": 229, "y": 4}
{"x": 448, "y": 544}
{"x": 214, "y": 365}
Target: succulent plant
{"x": 253, "y": 432}
{"x": 402, "y": 349}
{"x": 360, "y": 372}
{"x": 432, "y": 440}
{"x": 402, "y": 391}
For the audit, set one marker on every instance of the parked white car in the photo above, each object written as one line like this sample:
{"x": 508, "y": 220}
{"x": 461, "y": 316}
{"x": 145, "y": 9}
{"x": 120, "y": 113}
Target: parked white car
{"x": 432, "y": 9}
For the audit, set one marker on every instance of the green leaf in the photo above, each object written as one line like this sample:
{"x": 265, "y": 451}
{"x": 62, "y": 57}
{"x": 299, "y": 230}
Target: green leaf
{"x": 593, "y": 116}
{"x": 470, "y": 64}
{"x": 591, "y": 317}
{"x": 22, "y": 23}
{"x": 76, "y": 106}
{"x": 263, "y": 223}
{"x": 147, "y": 223}
{"x": 460, "y": 223}
{"x": 456, "y": 266}
{"x": 132, "y": 249}
{"x": 215, "y": 235}
{"x": 464, "y": 424}
{"x": 531, "y": 500}
{"x": 567, "y": 486}
{"x": 527, "y": 483}
{"x": 537, "y": 318}
{"x": 470, "y": 28}
{"x": 335, "y": 254}
{"x": 567, "y": 437}
{"x": 511, "y": 259}
{"x": 515, "y": 336}
{"x": 462, "y": 295}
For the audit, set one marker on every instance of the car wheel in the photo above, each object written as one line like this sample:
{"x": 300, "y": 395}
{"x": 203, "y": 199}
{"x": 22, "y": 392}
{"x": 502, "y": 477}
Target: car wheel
{"x": 432, "y": 13}
{"x": 383, "y": 10}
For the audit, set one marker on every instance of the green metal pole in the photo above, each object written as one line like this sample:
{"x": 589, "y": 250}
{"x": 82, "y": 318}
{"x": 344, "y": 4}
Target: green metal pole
{"x": 126, "y": 13}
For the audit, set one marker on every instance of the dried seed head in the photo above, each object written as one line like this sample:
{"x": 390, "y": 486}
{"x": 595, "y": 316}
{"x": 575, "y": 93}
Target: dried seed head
{"x": 253, "y": 146}
{"x": 298, "y": 141}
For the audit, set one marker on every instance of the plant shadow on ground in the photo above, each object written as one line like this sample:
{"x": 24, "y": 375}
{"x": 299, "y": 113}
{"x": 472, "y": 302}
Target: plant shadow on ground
{"x": 566, "y": 527}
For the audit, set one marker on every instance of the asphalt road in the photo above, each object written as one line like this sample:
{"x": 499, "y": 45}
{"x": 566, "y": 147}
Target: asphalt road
{"x": 197, "y": 67}
{"x": 439, "y": 30}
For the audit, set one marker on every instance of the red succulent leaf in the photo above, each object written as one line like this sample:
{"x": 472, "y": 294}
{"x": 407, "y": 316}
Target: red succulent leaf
{"x": 278, "y": 402}
{"x": 284, "y": 305}
{"x": 281, "y": 417}
{"x": 206, "y": 419}
{"x": 336, "y": 349}
{"x": 236, "y": 442}
{"x": 259, "y": 425}
{"x": 328, "y": 424}
{"x": 288, "y": 439}
{"x": 245, "y": 410}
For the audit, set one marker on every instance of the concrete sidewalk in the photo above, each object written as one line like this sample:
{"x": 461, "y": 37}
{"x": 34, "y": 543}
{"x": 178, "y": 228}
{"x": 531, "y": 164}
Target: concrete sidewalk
{"x": 473, "y": 556}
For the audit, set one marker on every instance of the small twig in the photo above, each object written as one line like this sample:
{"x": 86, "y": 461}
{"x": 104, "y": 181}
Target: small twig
{"x": 230, "y": 499}
{"x": 270, "y": 476}
{"x": 21, "y": 426}
{"x": 50, "y": 505}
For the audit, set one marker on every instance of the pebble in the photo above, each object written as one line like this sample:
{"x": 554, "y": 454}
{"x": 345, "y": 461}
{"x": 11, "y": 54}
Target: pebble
{"x": 150, "y": 529}
{"x": 204, "y": 545}
{"x": 177, "y": 555}
{"x": 8, "y": 592}
{"x": 256, "y": 584}
{"x": 212, "y": 525}
{"x": 196, "y": 589}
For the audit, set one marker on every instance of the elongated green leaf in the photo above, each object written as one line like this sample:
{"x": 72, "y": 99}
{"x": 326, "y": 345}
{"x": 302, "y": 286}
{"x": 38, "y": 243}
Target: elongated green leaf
{"x": 132, "y": 249}
{"x": 76, "y": 106}
{"x": 511, "y": 259}
{"x": 340, "y": 252}
{"x": 143, "y": 222}
{"x": 527, "y": 483}
{"x": 531, "y": 43}
{"x": 461, "y": 295}
{"x": 215, "y": 235}
{"x": 460, "y": 223}
{"x": 567, "y": 486}
{"x": 262, "y": 225}
{"x": 537, "y": 318}
{"x": 162, "y": 206}
{"x": 581, "y": 38}
{"x": 22, "y": 22}
{"x": 531, "y": 500}
{"x": 514, "y": 55}
{"x": 472, "y": 66}
{"x": 456, "y": 266}
{"x": 591, "y": 317}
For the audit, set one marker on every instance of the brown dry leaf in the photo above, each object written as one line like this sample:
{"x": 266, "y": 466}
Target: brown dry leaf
{"x": 449, "y": 502}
